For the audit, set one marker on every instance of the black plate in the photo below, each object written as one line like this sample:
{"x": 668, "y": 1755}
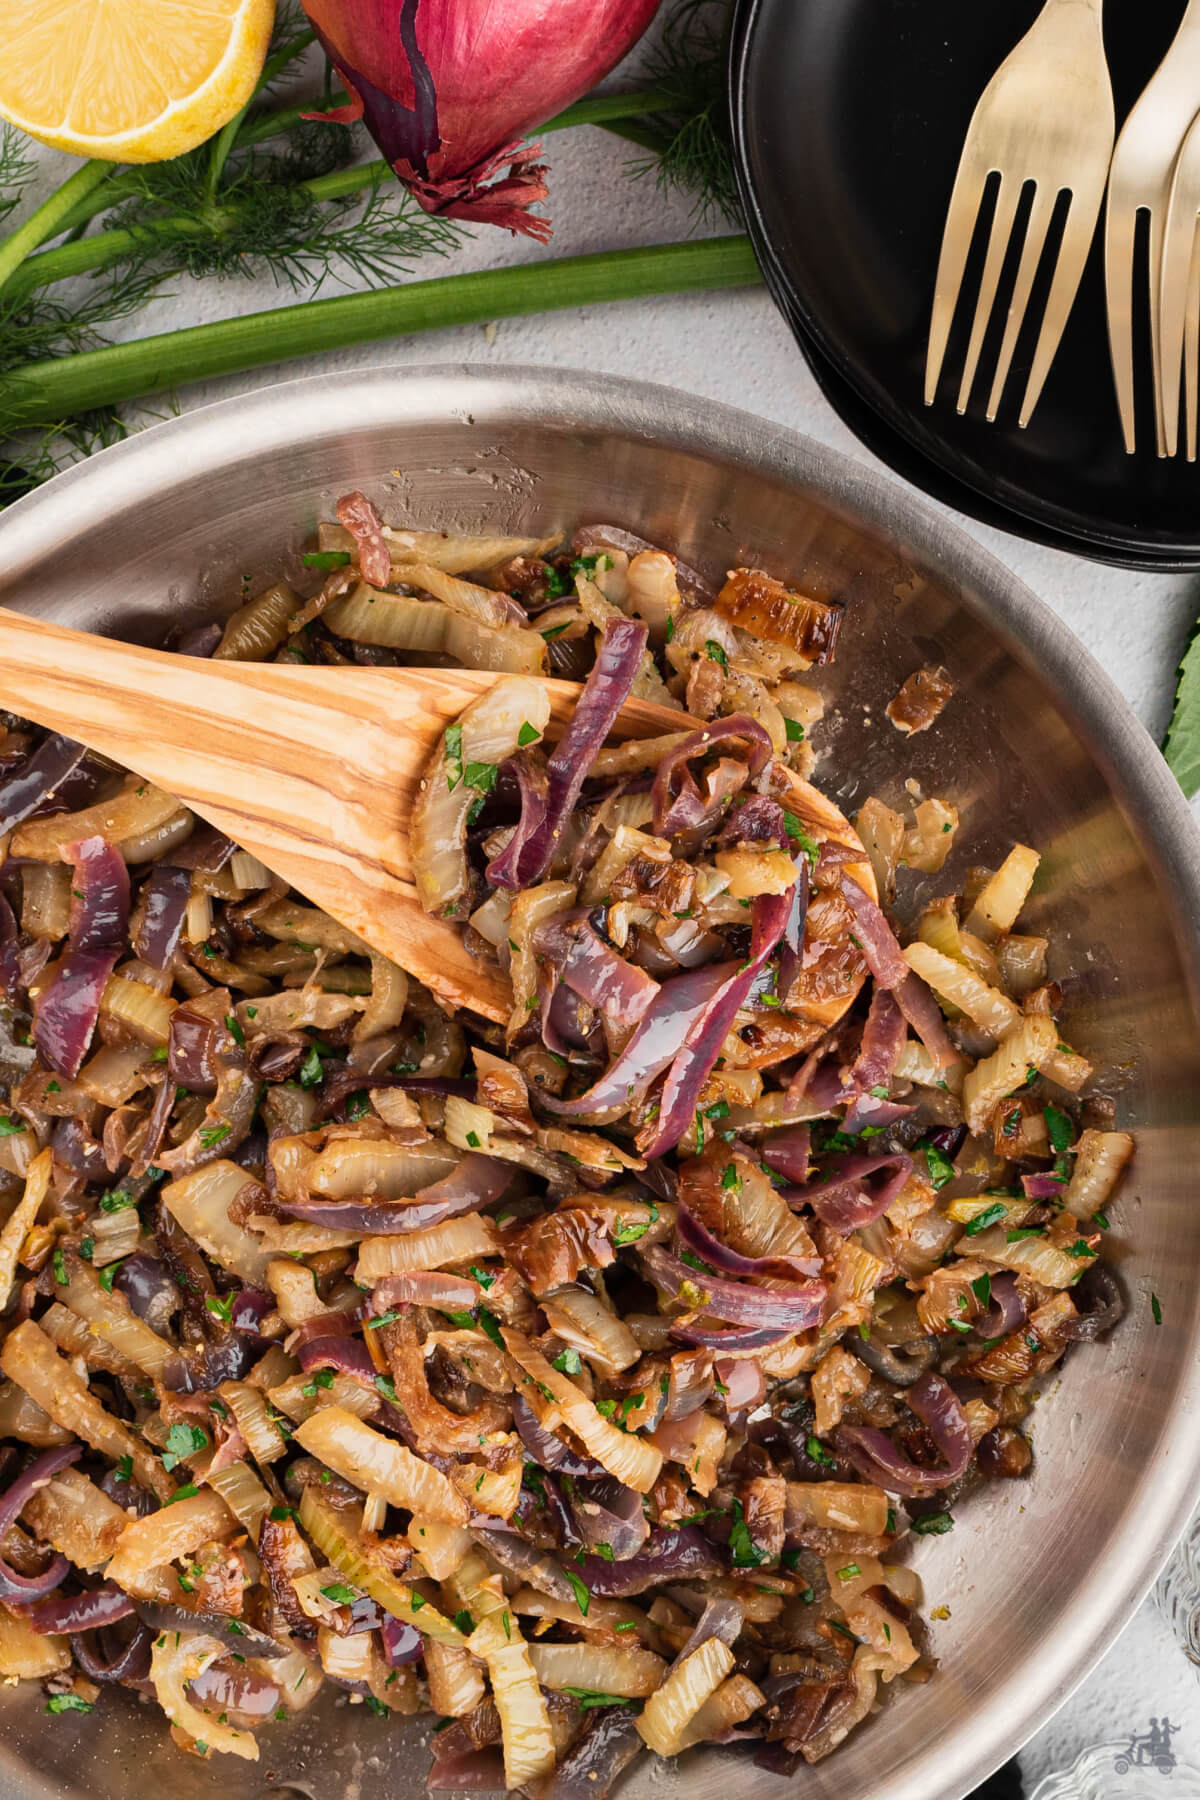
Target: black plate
{"x": 849, "y": 118}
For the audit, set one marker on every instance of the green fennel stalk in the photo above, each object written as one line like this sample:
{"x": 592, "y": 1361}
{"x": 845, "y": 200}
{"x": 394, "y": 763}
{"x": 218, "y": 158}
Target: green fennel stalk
{"x": 56, "y": 389}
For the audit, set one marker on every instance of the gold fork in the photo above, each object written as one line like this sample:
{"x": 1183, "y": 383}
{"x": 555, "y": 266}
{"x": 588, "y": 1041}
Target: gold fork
{"x": 1046, "y": 118}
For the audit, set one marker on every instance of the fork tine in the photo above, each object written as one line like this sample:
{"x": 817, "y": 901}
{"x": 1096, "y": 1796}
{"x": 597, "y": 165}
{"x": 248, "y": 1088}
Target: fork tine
{"x": 1119, "y": 229}
{"x": 1031, "y": 254}
{"x": 1191, "y": 346}
{"x": 1174, "y": 296}
{"x": 1002, "y": 223}
{"x": 961, "y": 216}
{"x": 1078, "y": 232}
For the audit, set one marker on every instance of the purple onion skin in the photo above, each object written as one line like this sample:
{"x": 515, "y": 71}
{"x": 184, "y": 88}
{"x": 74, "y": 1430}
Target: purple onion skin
{"x": 130, "y": 1662}
{"x": 66, "y": 1012}
{"x": 26, "y": 1588}
{"x": 164, "y": 896}
{"x": 11, "y": 985}
{"x": 683, "y": 1555}
{"x": 610, "y": 1742}
{"x": 548, "y": 1451}
{"x": 348, "y": 1355}
{"x": 244, "y": 1639}
{"x": 717, "y": 1255}
{"x": 22, "y": 792}
{"x": 1006, "y": 1311}
{"x": 478, "y": 1181}
{"x": 675, "y": 812}
{"x": 791, "y": 1309}
{"x": 146, "y": 1284}
{"x": 875, "y": 1456}
{"x": 606, "y": 1512}
{"x": 102, "y": 1605}
{"x": 402, "y": 1642}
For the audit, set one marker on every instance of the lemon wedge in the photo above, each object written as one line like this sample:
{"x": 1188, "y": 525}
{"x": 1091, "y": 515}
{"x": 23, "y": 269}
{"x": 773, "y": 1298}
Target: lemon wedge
{"x": 129, "y": 80}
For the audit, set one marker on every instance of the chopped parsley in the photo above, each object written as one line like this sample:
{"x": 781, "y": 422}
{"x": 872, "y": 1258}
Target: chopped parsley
{"x": 340, "y": 1594}
{"x": 386, "y": 1386}
{"x": 589, "y": 1697}
{"x": 323, "y": 1378}
{"x": 187, "y": 1492}
{"x": 481, "y": 776}
{"x": 358, "y": 1105}
{"x": 325, "y": 559}
{"x": 212, "y": 1135}
{"x": 310, "y": 1069}
{"x": 62, "y": 1703}
{"x": 59, "y": 1265}
{"x": 220, "y": 1308}
{"x": 183, "y": 1441}
{"x": 1059, "y": 1128}
{"x": 116, "y": 1201}
{"x": 941, "y": 1169}
{"x": 718, "y": 1110}
{"x": 794, "y": 729}
{"x": 1156, "y": 1308}
{"x": 382, "y": 1319}
{"x": 991, "y": 1215}
{"x": 280, "y": 1513}
{"x": 981, "y": 1287}
{"x": 798, "y": 835}
{"x": 1101, "y": 1219}
{"x": 528, "y": 734}
{"x": 742, "y": 1548}
{"x": 933, "y": 1524}
{"x": 731, "y": 1181}
{"x": 491, "y": 1324}
{"x": 1023, "y": 1231}
{"x": 630, "y": 1230}
{"x": 816, "y": 1449}
{"x": 849, "y": 1573}
{"x": 464, "y": 1622}
{"x": 474, "y": 1139}
{"x": 580, "y": 1589}
{"x": 568, "y": 1362}
{"x": 716, "y": 654}
{"x": 482, "y": 1277}
{"x": 10, "y": 1127}
{"x": 1080, "y": 1248}
{"x": 124, "y": 1469}
{"x": 234, "y": 1029}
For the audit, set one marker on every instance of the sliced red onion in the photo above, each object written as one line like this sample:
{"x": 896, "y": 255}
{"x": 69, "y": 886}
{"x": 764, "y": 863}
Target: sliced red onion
{"x": 547, "y": 1450}
{"x": 149, "y": 1289}
{"x": 11, "y": 984}
{"x": 1006, "y": 1311}
{"x": 162, "y": 1616}
{"x": 741, "y": 1341}
{"x": 723, "y": 1619}
{"x": 884, "y": 956}
{"x": 533, "y": 787}
{"x": 840, "y": 1196}
{"x": 681, "y": 1555}
{"x": 593, "y": 970}
{"x": 609, "y": 1743}
{"x": 702, "y": 1045}
{"x": 349, "y": 1356}
{"x": 1043, "y": 1186}
{"x": 206, "y": 849}
{"x": 402, "y": 1642}
{"x": 793, "y": 1308}
{"x": 66, "y": 1012}
{"x": 870, "y": 1112}
{"x": 250, "y": 1308}
{"x": 919, "y": 1007}
{"x": 164, "y": 899}
{"x": 200, "y": 640}
{"x": 526, "y": 1562}
{"x": 901, "y": 1364}
{"x": 876, "y": 1457}
{"x": 426, "y": 1287}
{"x": 240, "y": 1695}
{"x": 678, "y": 803}
{"x": 130, "y": 1661}
{"x": 604, "y": 693}
{"x": 25, "y": 1588}
{"x": 76, "y": 1149}
{"x": 744, "y": 1383}
{"x": 882, "y": 1038}
{"x": 477, "y": 1181}
{"x": 568, "y": 1025}
{"x": 608, "y": 1513}
{"x": 1105, "y": 1305}
{"x": 345, "y": 1079}
{"x": 787, "y": 1152}
{"x": 194, "y": 1042}
{"x": 758, "y": 820}
{"x": 717, "y": 1255}
{"x": 22, "y": 791}
{"x": 102, "y": 1605}
{"x": 679, "y": 1004}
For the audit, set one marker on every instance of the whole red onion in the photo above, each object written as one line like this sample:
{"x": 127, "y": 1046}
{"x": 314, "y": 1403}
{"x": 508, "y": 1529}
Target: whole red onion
{"x": 448, "y": 89}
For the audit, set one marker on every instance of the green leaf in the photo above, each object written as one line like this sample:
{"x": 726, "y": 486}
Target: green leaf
{"x": 528, "y": 734}
{"x": 568, "y": 1363}
{"x": 1156, "y": 1308}
{"x": 933, "y": 1524}
{"x": 213, "y": 1135}
{"x": 491, "y": 1324}
{"x": 819, "y": 1453}
{"x": 715, "y": 653}
{"x": 326, "y": 559}
{"x": 124, "y": 1469}
{"x": 234, "y": 1029}
{"x": 744, "y": 1551}
{"x": 581, "y": 1591}
{"x": 382, "y": 1319}
{"x": 630, "y": 1230}
{"x": 310, "y": 1069}
{"x": 981, "y": 1221}
{"x": 187, "y": 1492}
{"x": 481, "y": 776}
{"x": 62, "y": 1703}
{"x": 340, "y": 1594}
{"x": 1059, "y": 1127}
{"x": 941, "y": 1169}
{"x": 183, "y": 1440}
{"x": 10, "y": 1127}
{"x": 794, "y": 729}
{"x": 798, "y": 835}
{"x": 1182, "y": 745}
{"x": 731, "y": 1181}
{"x": 981, "y": 1287}
{"x": 454, "y": 768}
{"x": 464, "y": 1622}
{"x": 59, "y": 1264}
{"x": 588, "y": 1696}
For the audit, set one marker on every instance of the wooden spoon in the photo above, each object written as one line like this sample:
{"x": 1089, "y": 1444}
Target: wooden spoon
{"x": 314, "y": 771}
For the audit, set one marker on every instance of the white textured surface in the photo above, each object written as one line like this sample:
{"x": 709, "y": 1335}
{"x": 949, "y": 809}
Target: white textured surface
{"x": 734, "y": 347}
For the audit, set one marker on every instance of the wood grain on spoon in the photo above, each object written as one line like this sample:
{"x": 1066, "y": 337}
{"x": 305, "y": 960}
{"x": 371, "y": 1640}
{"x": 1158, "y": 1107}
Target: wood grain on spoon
{"x": 314, "y": 771}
